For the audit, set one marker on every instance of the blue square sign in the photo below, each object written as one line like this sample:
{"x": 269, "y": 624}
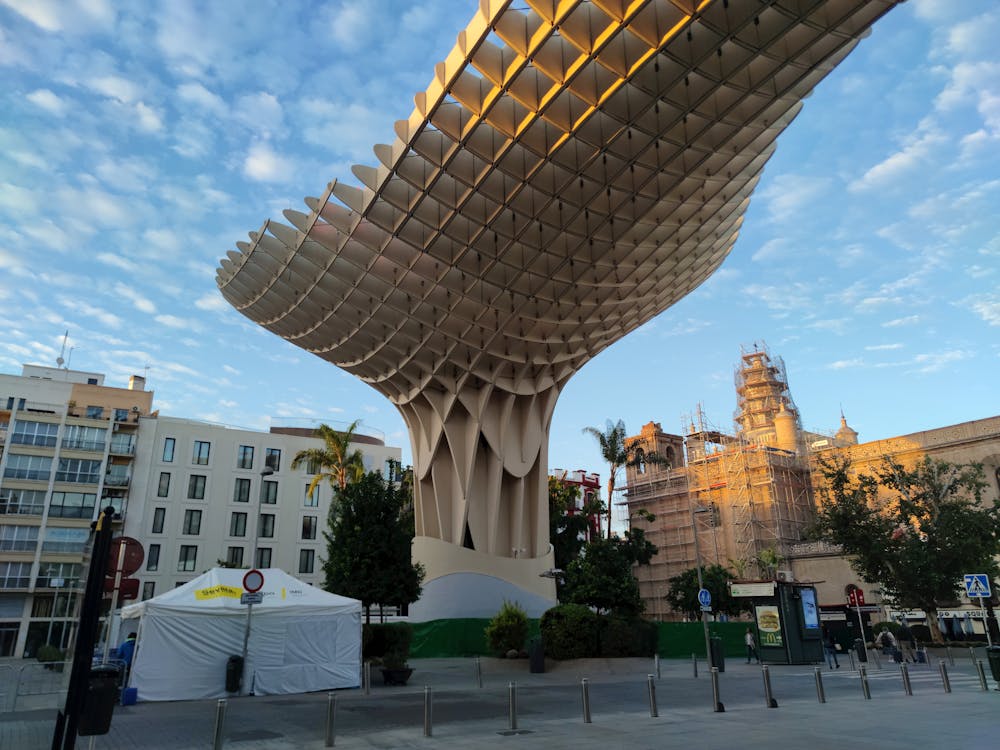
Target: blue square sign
{"x": 977, "y": 585}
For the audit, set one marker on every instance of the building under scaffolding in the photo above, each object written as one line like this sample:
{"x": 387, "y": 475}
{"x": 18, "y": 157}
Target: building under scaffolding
{"x": 746, "y": 494}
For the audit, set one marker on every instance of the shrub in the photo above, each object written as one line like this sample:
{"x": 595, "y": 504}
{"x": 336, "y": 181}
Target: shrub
{"x": 570, "y": 631}
{"x": 398, "y": 636}
{"x": 627, "y": 637}
{"x": 48, "y": 652}
{"x": 508, "y": 629}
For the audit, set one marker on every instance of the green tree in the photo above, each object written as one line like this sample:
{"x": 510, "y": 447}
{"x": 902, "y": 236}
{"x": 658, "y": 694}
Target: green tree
{"x": 620, "y": 453}
{"x": 602, "y": 576}
{"x": 569, "y": 527}
{"x": 335, "y": 461}
{"x": 368, "y": 544}
{"x": 683, "y": 593}
{"x": 915, "y": 531}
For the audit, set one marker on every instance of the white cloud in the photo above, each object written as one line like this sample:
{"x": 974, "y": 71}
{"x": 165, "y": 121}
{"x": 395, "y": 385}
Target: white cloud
{"x": 773, "y": 249}
{"x": 917, "y": 149}
{"x": 196, "y": 94}
{"x": 846, "y": 364}
{"x": 988, "y": 309}
{"x": 111, "y": 259}
{"x": 48, "y": 101}
{"x": 264, "y": 165}
{"x": 789, "y": 195}
{"x": 114, "y": 87}
{"x": 211, "y": 301}
{"x": 141, "y": 303}
{"x": 261, "y": 113}
{"x": 883, "y": 347}
{"x": 907, "y": 321}
{"x": 174, "y": 321}
{"x": 45, "y": 14}
{"x": 79, "y": 307}
{"x": 936, "y": 361}
{"x": 150, "y": 119}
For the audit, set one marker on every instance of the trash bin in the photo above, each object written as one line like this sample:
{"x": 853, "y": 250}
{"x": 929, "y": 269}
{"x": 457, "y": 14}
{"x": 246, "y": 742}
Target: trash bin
{"x": 859, "y": 650}
{"x": 993, "y": 656}
{"x": 536, "y": 655}
{"x": 99, "y": 700}
{"x": 718, "y": 653}
{"x": 234, "y": 674}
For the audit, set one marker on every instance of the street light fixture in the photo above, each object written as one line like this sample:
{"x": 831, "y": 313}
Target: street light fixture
{"x": 701, "y": 584}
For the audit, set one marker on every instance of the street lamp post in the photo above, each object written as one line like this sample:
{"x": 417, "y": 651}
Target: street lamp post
{"x": 701, "y": 583}
{"x": 266, "y": 472}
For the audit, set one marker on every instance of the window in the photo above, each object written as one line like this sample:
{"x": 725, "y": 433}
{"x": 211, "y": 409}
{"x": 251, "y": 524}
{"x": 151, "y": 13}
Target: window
{"x": 148, "y": 587}
{"x": 311, "y": 502}
{"x": 153, "y": 557}
{"x": 266, "y": 525}
{"x": 22, "y": 502}
{"x": 80, "y": 438}
{"x": 200, "y": 453}
{"x": 19, "y": 538}
{"x": 91, "y": 381}
{"x": 168, "y": 450}
{"x": 244, "y": 457}
{"x": 196, "y": 487}
{"x": 307, "y": 559}
{"x": 15, "y": 575}
{"x": 270, "y": 493}
{"x": 238, "y": 524}
{"x": 121, "y": 415}
{"x": 164, "y": 487}
{"x": 234, "y": 557}
{"x": 272, "y": 459}
{"x": 241, "y": 491}
{"x": 264, "y": 557}
{"x": 95, "y": 412}
{"x": 188, "y": 558}
{"x": 66, "y": 575}
{"x": 159, "y": 516}
{"x": 308, "y": 527}
{"x": 192, "y": 522}
{"x": 34, "y": 433}
{"x": 72, "y": 505}
{"x": 79, "y": 470}
{"x": 28, "y": 467}
{"x": 65, "y": 541}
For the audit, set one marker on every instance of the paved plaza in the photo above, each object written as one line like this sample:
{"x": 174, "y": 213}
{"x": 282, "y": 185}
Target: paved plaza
{"x": 549, "y": 712}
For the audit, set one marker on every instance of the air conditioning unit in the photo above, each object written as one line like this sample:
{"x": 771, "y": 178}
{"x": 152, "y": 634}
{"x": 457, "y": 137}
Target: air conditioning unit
{"x": 785, "y": 575}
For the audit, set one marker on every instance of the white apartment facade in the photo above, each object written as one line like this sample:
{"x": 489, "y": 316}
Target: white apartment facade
{"x": 205, "y": 493}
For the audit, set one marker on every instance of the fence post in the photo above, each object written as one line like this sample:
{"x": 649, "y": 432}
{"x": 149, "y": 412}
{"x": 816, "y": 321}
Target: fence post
{"x": 331, "y": 717}
{"x": 820, "y": 693}
{"x": 512, "y": 705}
{"x": 585, "y": 694}
{"x": 944, "y": 676}
{"x": 905, "y": 673}
{"x": 768, "y": 695}
{"x": 428, "y": 712}
{"x": 717, "y": 707}
{"x": 864, "y": 683}
{"x": 651, "y": 688}
{"x": 220, "y": 724}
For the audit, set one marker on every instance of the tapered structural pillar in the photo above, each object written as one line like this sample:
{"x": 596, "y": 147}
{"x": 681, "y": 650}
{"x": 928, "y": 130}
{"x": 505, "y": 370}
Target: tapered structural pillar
{"x": 572, "y": 170}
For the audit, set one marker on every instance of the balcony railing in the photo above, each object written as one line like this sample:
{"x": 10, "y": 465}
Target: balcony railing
{"x": 64, "y": 548}
{"x": 83, "y": 445}
{"x": 15, "y": 582}
{"x": 18, "y": 545}
{"x": 37, "y": 474}
{"x": 45, "y": 441}
{"x": 116, "y": 480}
{"x": 73, "y": 477}
{"x": 17, "y": 508}
{"x": 123, "y": 449}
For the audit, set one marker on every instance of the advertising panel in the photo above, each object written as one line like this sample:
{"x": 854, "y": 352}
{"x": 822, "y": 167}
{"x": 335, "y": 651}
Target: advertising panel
{"x": 769, "y": 625}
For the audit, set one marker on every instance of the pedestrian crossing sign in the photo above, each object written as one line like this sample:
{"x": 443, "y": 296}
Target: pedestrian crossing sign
{"x": 977, "y": 585}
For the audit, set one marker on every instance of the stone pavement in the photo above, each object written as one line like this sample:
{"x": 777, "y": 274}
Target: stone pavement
{"x": 550, "y": 716}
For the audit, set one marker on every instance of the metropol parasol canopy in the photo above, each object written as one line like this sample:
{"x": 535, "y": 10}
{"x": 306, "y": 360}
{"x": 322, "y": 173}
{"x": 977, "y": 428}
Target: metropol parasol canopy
{"x": 572, "y": 170}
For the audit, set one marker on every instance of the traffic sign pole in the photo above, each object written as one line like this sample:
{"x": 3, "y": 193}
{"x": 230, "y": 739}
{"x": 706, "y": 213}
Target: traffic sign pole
{"x": 253, "y": 581}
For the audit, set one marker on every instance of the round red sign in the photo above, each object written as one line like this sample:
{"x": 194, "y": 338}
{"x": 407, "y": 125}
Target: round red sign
{"x": 253, "y": 581}
{"x": 131, "y": 559}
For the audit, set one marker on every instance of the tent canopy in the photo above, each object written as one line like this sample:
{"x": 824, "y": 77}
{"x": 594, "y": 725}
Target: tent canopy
{"x": 301, "y": 639}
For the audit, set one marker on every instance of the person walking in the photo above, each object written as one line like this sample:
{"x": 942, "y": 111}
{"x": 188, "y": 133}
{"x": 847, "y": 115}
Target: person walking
{"x": 751, "y": 643}
{"x": 907, "y": 637}
{"x": 830, "y": 649}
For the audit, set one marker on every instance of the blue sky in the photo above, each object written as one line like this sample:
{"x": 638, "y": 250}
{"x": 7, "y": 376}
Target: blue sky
{"x": 140, "y": 141}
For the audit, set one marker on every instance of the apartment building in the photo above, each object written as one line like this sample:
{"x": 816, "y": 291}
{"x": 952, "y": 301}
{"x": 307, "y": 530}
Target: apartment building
{"x": 67, "y": 445}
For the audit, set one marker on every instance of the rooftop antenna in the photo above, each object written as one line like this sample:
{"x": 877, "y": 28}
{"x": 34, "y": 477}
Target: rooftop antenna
{"x": 59, "y": 359}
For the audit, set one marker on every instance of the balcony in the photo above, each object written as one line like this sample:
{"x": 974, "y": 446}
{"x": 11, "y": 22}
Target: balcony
{"x": 83, "y": 445}
{"x": 116, "y": 480}
{"x": 73, "y": 477}
{"x": 39, "y": 475}
{"x": 14, "y": 582}
{"x": 121, "y": 448}
{"x": 43, "y": 441}
{"x": 18, "y": 545}
{"x": 11, "y": 507}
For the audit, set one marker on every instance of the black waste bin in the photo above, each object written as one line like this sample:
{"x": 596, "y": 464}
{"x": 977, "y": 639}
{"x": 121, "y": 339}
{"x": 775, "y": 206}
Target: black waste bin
{"x": 536, "y": 655}
{"x": 99, "y": 700}
{"x": 859, "y": 650}
{"x": 718, "y": 653}
{"x": 234, "y": 674}
{"x": 993, "y": 656}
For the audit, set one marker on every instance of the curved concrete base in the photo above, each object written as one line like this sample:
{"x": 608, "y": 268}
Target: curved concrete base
{"x": 461, "y": 582}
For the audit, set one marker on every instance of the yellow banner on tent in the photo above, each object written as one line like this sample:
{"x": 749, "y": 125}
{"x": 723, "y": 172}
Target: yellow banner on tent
{"x": 214, "y": 592}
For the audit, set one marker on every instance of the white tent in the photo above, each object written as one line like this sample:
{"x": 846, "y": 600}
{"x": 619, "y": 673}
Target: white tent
{"x": 301, "y": 638}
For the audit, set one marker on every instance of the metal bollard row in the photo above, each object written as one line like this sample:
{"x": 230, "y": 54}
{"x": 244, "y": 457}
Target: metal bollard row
{"x": 479, "y": 672}
{"x": 865, "y": 689}
{"x": 428, "y": 712}
{"x": 651, "y": 689}
{"x": 905, "y": 674}
{"x": 769, "y": 700}
{"x": 585, "y": 696}
{"x": 820, "y": 693}
{"x": 331, "y": 715}
{"x": 945, "y": 683}
{"x": 982, "y": 676}
{"x": 220, "y": 724}
{"x": 512, "y": 706}
{"x": 694, "y": 663}
{"x": 716, "y": 703}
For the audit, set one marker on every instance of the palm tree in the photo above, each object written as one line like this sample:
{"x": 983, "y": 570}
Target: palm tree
{"x": 335, "y": 462}
{"x": 619, "y": 453}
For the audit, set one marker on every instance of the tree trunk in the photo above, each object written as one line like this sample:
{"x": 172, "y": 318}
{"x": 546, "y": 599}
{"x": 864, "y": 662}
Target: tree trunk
{"x": 932, "y": 624}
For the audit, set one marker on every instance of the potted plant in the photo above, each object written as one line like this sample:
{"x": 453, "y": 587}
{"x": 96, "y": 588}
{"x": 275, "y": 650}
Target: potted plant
{"x": 395, "y": 669}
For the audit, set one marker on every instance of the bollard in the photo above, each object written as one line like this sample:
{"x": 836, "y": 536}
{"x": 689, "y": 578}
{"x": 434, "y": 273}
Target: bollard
{"x": 331, "y": 717}
{"x": 656, "y": 662}
{"x": 864, "y": 683}
{"x": 428, "y": 712}
{"x": 366, "y": 678}
{"x": 718, "y": 707}
{"x": 951, "y": 656}
{"x": 585, "y": 693}
{"x": 944, "y": 676}
{"x": 905, "y": 674}
{"x": 765, "y": 672}
{"x": 873, "y": 656}
{"x": 220, "y": 723}
{"x": 479, "y": 672}
{"x": 982, "y": 676}
{"x": 512, "y": 705}
{"x": 972, "y": 654}
{"x": 820, "y": 693}
{"x": 850, "y": 654}
{"x": 651, "y": 688}
{"x": 694, "y": 663}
